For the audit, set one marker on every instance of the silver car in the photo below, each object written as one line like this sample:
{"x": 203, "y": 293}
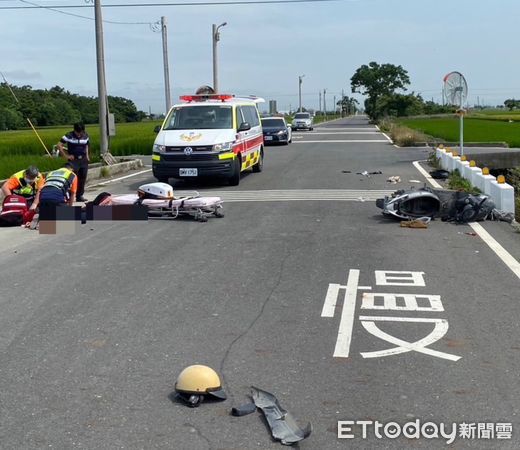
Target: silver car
{"x": 302, "y": 121}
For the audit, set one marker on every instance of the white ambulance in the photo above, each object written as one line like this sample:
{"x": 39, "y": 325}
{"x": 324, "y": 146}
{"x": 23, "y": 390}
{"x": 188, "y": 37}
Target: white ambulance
{"x": 210, "y": 135}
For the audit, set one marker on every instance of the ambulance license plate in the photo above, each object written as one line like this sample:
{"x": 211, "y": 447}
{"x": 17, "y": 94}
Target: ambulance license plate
{"x": 188, "y": 172}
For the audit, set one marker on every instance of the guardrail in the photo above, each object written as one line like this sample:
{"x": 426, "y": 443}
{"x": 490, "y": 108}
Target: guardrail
{"x": 503, "y": 194}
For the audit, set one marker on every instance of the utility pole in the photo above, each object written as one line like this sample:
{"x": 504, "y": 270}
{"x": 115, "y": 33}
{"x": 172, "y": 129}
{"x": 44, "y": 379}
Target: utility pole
{"x": 342, "y": 101}
{"x": 165, "y": 63}
{"x": 216, "y": 37}
{"x": 324, "y": 104}
{"x": 320, "y": 102}
{"x": 300, "y": 92}
{"x": 102, "y": 90}
{"x": 335, "y": 109}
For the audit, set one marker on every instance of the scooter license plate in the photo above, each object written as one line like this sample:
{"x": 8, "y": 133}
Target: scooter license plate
{"x": 188, "y": 172}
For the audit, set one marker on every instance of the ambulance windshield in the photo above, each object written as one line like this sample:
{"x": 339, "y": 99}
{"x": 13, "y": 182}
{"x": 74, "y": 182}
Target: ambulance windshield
{"x": 200, "y": 117}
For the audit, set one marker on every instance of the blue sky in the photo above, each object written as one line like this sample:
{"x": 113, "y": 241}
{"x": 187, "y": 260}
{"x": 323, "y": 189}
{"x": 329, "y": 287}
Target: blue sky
{"x": 264, "y": 48}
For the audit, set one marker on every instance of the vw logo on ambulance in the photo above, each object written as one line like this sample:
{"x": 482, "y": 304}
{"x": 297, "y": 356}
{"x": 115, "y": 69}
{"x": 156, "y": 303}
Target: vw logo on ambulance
{"x": 188, "y": 151}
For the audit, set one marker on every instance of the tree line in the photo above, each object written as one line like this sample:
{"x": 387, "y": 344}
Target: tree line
{"x": 511, "y": 104}
{"x": 379, "y": 82}
{"x": 57, "y": 106}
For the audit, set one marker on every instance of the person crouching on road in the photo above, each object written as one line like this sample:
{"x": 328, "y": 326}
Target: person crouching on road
{"x": 27, "y": 183}
{"x": 77, "y": 153}
{"x": 60, "y": 187}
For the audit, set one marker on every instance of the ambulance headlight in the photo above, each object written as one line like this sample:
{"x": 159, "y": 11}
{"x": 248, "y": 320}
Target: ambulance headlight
{"x": 225, "y": 147}
{"x": 159, "y": 148}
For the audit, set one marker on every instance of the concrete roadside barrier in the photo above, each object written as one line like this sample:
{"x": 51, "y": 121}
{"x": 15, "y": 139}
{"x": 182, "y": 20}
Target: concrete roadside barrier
{"x": 445, "y": 157}
{"x": 502, "y": 193}
{"x": 461, "y": 165}
{"x": 471, "y": 171}
{"x": 483, "y": 180}
{"x": 453, "y": 161}
{"x": 124, "y": 165}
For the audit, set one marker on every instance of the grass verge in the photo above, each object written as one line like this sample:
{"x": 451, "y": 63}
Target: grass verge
{"x": 457, "y": 183}
{"x": 402, "y": 136}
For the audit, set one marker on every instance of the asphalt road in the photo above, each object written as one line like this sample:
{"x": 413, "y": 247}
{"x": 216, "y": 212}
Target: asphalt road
{"x": 95, "y": 327}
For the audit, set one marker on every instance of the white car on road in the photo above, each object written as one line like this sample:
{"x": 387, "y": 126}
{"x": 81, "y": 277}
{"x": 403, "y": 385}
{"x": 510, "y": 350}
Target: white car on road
{"x": 302, "y": 121}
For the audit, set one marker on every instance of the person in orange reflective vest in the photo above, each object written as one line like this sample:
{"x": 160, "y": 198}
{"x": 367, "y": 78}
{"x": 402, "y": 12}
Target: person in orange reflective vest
{"x": 27, "y": 183}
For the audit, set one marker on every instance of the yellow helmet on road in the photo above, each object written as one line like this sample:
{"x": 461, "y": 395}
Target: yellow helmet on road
{"x": 196, "y": 381}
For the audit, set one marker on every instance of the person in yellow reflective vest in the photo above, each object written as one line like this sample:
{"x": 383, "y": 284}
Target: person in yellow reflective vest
{"x": 27, "y": 183}
{"x": 60, "y": 187}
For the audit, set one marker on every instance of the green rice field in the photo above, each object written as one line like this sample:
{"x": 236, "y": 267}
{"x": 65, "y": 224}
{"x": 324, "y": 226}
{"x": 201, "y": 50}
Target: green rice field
{"x": 481, "y": 129}
{"x": 18, "y": 149}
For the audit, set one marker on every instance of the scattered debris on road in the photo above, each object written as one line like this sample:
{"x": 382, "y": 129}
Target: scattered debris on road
{"x": 367, "y": 174}
{"x": 394, "y": 180}
{"x": 281, "y": 422}
{"x": 243, "y": 410}
{"x": 414, "y": 181}
{"x": 503, "y": 216}
{"x": 421, "y": 222}
{"x": 440, "y": 174}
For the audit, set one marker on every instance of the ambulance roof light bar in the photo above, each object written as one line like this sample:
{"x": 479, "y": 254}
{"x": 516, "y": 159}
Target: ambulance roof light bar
{"x": 204, "y": 97}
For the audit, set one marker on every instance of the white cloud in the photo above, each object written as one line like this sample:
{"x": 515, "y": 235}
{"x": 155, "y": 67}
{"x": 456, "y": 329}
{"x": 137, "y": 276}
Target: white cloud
{"x": 264, "y": 48}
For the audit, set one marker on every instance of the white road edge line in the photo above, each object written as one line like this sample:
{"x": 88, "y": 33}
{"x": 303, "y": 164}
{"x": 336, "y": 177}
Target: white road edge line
{"x": 388, "y": 137}
{"x": 417, "y": 165}
{"x": 120, "y": 178}
{"x": 500, "y": 251}
{"x": 492, "y": 243}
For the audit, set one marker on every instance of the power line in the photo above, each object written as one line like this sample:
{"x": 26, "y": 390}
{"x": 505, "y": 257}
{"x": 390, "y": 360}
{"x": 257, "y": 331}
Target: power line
{"x": 53, "y": 9}
{"x": 207, "y": 3}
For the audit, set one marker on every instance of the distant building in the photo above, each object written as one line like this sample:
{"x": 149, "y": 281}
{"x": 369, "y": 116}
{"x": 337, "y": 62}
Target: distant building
{"x": 272, "y": 107}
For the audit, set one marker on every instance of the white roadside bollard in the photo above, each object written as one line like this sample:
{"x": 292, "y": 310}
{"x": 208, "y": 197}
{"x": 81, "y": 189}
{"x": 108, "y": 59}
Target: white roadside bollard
{"x": 462, "y": 164}
{"x": 503, "y": 194}
{"x": 488, "y": 179}
{"x": 445, "y": 157}
{"x": 439, "y": 152}
{"x": 471, "y": 172}
{"x": 482, "y": 179}
{"x": 455, "y": 159}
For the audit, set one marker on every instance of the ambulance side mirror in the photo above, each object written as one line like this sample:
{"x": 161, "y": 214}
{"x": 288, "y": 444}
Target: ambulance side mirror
{"x": 157, "y": 129}
{"x": 244, "y": 126}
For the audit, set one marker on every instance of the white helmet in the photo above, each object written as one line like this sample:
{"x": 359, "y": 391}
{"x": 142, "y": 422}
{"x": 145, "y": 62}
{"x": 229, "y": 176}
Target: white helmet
{"x": 161, "y": 191}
